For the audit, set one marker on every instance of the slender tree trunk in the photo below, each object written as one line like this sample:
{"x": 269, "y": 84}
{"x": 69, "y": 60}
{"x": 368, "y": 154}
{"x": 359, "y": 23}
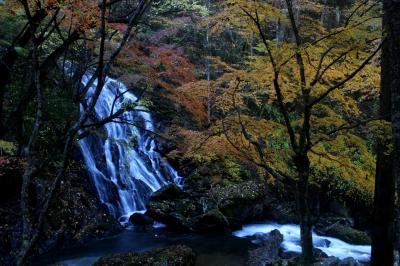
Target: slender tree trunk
{"x": 384, "y": 197}
{"x": 27, "y": 228}
{"x": 302, "y": 163}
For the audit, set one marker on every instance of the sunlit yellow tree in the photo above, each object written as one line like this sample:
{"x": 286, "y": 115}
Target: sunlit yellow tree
{"x": 316, "y": 76}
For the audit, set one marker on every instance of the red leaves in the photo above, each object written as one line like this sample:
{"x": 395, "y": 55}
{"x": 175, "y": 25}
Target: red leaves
{"x": 118, "y": 26}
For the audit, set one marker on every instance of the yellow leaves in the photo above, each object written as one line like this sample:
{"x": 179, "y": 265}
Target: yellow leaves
{"x": 240, "y": 14}
{"x": 348, "y": 154}
{"x": 382, "y": 131}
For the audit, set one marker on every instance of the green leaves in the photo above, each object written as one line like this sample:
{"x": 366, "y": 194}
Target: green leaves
{"x": 175, "y": 6}
{"x": 21, "y": 51}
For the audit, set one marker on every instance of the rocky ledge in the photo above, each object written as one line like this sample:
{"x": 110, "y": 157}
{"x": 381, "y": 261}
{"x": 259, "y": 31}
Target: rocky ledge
{"x": 175, "y": 255}
{"x": 216, "y": 209}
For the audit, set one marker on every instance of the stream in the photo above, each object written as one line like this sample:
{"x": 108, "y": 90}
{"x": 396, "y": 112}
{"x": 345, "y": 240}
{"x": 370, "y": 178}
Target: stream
{"x": 210, "y": 250}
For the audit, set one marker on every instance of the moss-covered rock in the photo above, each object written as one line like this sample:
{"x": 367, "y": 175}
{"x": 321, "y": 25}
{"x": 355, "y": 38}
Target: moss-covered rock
{"x": 170, "y": 191}
{"x": 240, "y": 201}
{"x": 345, "y": 233}
{"x": 170, "y": 256}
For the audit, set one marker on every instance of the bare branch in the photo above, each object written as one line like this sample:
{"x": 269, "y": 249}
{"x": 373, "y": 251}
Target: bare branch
{"x": 349, "y": 77}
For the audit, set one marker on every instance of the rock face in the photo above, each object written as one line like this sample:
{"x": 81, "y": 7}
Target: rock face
{"x": 75, "y": 216}
{"x": 174, "y": 256}
{"x": 268, "y": 253}
{"x": 202, "y": 209}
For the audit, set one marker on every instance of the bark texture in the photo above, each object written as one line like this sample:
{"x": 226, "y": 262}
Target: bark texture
{"x": 392, "y": 30}
{"x": 384, "y": 199}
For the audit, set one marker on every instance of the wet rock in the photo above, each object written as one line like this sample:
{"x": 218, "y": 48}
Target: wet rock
{"x": 141, "y": 219}
{"x": 174, "y": 255}
{"x": 268, "y": 253}
{"x": 168, "y": 192}
{"x": 319, "y": 254}
{"x": 212, "y": 222}
{"x": 322, "y": 243}
{"x": 349, "y": 262}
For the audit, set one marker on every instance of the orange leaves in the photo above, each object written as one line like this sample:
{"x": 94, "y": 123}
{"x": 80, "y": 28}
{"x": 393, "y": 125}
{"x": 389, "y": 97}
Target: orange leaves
{"x": 80, "y": 14}
{"x": 192, "y": 97}
{"x": 74, "y": 14}
{"x": 163, "y": 66}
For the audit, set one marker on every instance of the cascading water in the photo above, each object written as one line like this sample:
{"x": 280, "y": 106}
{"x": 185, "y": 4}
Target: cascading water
{"x": 291, "y": 241}
{"x": 122, "y": 159}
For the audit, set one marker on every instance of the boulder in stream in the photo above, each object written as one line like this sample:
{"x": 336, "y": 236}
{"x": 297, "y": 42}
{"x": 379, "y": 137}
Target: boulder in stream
{"x": 141, "y": 219}
{"x": 268, "y": 253}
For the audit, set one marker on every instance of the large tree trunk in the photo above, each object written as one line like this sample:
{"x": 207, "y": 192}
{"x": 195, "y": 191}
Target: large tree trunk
{"x": 392, "y": 32}
{"x": 302, "y": 163}
{"x": 383, "y": 225}
{"x": 392, "y": 28}
{"x": 384, "y": 199}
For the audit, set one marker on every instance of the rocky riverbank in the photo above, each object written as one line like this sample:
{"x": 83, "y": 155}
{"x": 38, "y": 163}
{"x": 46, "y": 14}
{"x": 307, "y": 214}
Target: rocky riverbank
{"x": 220, "y": 208}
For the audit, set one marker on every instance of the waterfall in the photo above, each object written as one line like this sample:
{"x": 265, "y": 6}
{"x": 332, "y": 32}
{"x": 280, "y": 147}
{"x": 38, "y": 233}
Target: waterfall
{"x": 122, "y": 159}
